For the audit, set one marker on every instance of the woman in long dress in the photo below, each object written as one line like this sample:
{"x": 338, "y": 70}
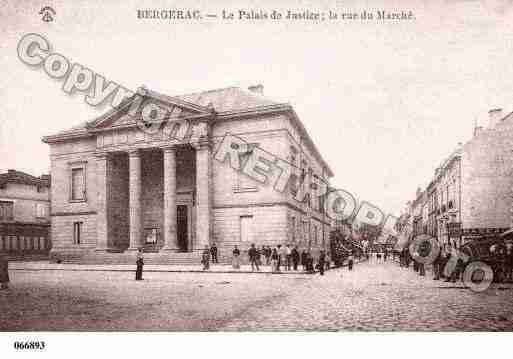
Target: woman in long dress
{"x": 274, "y": 260}
{"x": 236, "y": 258}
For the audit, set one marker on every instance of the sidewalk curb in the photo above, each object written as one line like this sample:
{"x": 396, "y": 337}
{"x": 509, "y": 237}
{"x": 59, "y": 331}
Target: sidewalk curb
{"x": 154, "y": 271}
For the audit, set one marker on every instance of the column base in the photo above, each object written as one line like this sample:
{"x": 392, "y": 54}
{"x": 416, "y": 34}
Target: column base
{"x": 133, "y": 249}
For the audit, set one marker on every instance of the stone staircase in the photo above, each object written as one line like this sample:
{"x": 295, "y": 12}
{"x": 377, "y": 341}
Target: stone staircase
{"x": 162, "y": 258}
{"x": 28, "y": 256}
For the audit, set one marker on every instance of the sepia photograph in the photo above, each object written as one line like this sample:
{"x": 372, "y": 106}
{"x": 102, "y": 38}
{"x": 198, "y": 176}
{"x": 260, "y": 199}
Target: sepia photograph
{"x": 291, "y": 167}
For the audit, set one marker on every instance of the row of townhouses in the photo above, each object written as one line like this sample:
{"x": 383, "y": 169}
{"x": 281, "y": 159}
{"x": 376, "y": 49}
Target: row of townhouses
{"x": 24, "y": 213}
{"x": 471, "y": 192}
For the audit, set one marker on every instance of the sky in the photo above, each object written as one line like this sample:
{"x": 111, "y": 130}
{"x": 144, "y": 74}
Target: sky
{"x": 384, "y": 102}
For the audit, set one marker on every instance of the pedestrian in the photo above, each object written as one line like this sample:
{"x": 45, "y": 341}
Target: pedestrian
{"x": 378, "y": 257}
{"x": 268, "y": 252}
{"x": 288, "y": 257}
{"x": 213, "y": 253}
{"x": 295, "y": 257}
{"x": 436, "y": 266}
{"x": 304, "y": 259}
{"x": 350, "y": 261}
{"x": 236, "y": 258}
{"x": 278, "y": 250}
{"x": 322, "y": 262}
{"x": 385, "y": 255}
{"x": 274, "y": 260}
{"x": 253, "y": 257}
{"x": 139, "y": 265}
{"x": 258, "y": 257}
{"x": 205, "y": 258}
{"x": 509, "y": 261}
{"x": 283, "y": 257}
{"x": 310, "y": 262}
{"x": 4, "y": 272}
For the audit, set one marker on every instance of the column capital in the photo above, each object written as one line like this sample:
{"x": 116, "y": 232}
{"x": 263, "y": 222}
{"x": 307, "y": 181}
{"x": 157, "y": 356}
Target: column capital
{"x": 101, "y": 155}
{"x": 168, "y": 148}
{"x": 202, "y": 145}
{"x": 135, "y": 152}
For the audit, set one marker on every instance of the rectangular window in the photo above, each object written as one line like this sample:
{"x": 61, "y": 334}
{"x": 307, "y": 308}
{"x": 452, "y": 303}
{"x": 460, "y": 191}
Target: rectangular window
{"x": 77, "y": 232}
{"x": 6, "y": 211}
{"x": 245, "y": 182}
{"x": 77, "y": 184}
{"x": 293, "y": 228}
{"x": 41, "y": 210}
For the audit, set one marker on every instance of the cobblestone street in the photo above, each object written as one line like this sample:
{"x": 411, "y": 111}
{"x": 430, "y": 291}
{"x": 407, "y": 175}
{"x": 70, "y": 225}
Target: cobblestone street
{"x": 375, "y": 296}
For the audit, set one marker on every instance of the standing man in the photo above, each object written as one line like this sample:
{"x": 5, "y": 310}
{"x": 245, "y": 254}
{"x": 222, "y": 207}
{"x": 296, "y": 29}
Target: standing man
{"x": 278, "y": 249}
{"x": 4, "y": 272}
{"x": 288, "y": 257}
{"x": 253, "y": 257}
{"x": 213, "y": 252}
{"x": 268, "y": 253}
{"x": 322, "y": 262}
{"x": 350, "y": 261}
{"x": 283, "y": 257}
{"x": 295, "y": 257}
{"x": 139, "y": 265}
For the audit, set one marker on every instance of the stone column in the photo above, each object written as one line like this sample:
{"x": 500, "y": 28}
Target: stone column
{"x": 134, "y": 165}
{"x": 102, "y": 228}
{"x": 169, "y": 199}
{"x": 203, "y": 195}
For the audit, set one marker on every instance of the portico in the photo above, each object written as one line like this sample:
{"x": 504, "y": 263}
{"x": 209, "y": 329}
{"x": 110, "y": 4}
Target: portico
{"x": 156, "y": 198}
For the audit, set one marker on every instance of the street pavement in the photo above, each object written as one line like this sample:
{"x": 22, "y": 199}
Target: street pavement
{"x": 373, "y": 297}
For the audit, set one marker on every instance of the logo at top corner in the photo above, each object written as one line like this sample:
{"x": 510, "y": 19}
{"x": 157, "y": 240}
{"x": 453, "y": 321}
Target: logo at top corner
{"x": 48, "y": 13}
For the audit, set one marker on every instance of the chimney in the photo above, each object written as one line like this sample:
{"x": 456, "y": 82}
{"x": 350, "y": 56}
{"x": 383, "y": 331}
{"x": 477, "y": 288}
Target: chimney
{"x": 477, "y": 130}
{"x": 494, "y": 115}
{"x": 258, "y": 89}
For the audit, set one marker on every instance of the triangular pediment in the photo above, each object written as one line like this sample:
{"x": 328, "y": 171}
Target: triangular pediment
{"x": 131, "y": 110}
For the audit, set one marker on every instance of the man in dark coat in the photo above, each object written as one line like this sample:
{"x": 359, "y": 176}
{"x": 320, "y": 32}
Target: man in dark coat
{"x": 139, "y": 263}
{"x": 295, "y": 257}
{"x": 253, "y": 257}
{"x": 322, "y": 262}
{"x": 4, "y": 272}
{"x": 213, "y": 252}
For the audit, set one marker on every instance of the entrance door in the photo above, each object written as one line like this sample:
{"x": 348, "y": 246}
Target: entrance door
{"x": 181, "y": 227}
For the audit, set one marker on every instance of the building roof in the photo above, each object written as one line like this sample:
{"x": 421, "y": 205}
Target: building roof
{"x": 14, "y": 176}
{"x": 225, "y": 103}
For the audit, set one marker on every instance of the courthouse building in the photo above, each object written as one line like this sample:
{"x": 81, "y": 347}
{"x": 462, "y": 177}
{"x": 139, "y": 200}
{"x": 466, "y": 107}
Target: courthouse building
{"x": 118, "y": 186}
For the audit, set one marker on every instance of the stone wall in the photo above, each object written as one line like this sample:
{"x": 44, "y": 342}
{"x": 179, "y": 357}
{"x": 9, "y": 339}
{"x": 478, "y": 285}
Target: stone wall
{"x": 487, "y": 178}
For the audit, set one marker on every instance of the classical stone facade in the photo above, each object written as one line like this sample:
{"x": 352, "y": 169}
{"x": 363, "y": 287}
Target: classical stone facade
{"x": 120, "y": 183}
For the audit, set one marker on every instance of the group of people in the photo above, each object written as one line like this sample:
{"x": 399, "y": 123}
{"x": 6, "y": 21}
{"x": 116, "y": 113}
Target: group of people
{"x": 503, "y": 270}
{"x": 281, "y": 257}
{"x": 381, "y": 256}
